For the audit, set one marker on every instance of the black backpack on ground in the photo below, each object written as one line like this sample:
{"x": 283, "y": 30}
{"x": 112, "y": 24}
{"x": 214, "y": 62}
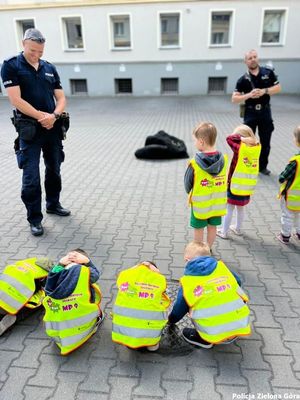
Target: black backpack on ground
{"x": 162, "y": 146}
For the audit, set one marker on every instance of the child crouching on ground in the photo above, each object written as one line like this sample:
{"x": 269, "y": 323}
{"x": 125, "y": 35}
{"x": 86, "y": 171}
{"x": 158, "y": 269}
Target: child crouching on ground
{"x": 211, "y": 294}
{"x": 140, "y": 311}
{"x": 72, "y": 303}
{"x": 242, "y": 177}
{"x": 290, "y": 196}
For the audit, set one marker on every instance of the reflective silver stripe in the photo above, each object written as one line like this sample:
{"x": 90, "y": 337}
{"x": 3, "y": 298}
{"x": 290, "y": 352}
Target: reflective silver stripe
{"x": 294, "y": 192}
{"x": 293, "y": 203}
{"x": 217, "y": 195}
{"x": 240, "y": 291}
{"x": 24, "y": 290}
{"x": 241, "y": 186}
{"x": 69, "y": 340}
{"x": 230, "y": 326}
{"x": 15, "y": 304}
{"x": 136, "y": 332}
{"x": 72, "y": 323}
{"x": 217, "y": 310}
{"x": 212, "y": 208}
{"x": 140, "y": 314}
{"x": 244, "y": 175}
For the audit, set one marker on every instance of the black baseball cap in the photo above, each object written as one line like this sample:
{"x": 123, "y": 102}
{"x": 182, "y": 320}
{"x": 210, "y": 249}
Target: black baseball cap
{"x": 35, "y": 35}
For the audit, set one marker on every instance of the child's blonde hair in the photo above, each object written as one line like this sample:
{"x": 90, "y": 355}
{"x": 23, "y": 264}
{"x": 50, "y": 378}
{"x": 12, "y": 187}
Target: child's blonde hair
{"x": 196, "y": 249}
{"x": 207, "y": 132}
{"x": 244, "y": 130}
{"x": 297, "y": 134}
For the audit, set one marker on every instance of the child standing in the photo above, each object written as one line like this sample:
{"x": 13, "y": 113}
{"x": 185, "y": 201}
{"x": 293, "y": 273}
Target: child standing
{"x": 205, "y": 181}
{"x": 290, "y": 195}
{"x": 72, "y": 303}
{"x": 212, "y": 295}
{"x": 242, "y": 177}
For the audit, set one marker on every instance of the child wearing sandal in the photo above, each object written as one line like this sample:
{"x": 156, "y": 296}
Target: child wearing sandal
{"x": 242, "y": 177}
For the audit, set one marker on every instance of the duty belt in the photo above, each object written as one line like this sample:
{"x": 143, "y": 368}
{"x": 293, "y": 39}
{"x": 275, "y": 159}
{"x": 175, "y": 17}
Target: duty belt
{"x": 258, "y": 107}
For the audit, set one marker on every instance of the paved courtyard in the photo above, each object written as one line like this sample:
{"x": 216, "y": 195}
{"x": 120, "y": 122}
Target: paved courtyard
{"x": 125, "y": 210}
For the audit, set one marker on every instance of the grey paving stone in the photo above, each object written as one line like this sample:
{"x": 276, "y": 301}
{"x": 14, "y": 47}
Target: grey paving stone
{"x": 273, "y": 343}
{"x": 203, "y": 383}
{"x": 176, "y": 390}
{"x": 67, "y": 385}
{"x": 37, "y": 393}
{"x": 289, "y": 326}
{"x": 229, "y": 369}
{"x": 264, "y": 316}
{"x": 252, "y": 355}
{"x": 231, "y": 392}
{"x": 283, "y": 375}
{"x": 32, "y": 350}
{"x": 258, "y": 381}
{"x": 47, "y": 371}
{"x": 122, "y": 387}
{"x": 14, "y": 385}
{"x": 97, "y": 379}
{"x": 91, "y": 396}
{"x": 150, "y": 380}
{"x": 6, "y": 358}
{"x": 283, "y": 306}
{"x": 295, "y": 348}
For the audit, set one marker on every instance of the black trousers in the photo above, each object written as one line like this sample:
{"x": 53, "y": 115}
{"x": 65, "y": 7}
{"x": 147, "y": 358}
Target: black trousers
{"x": 28, "y": 157}
{"x": 261, "y": 119}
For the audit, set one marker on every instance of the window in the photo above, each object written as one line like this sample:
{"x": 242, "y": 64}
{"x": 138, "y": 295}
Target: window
{"x": 123, "y": 86}
{"x": 217, "y": 85}
{"x": 169, "y": 85}
{"x": 169, "y": 29}
{"x": 78, "y": 86}
{"x": 273, "y": 26}
{"x": 22, "y": 26}
{"x": 120, "y": 28}
{"x": 221, "y": 28}
{"x": 73, "y": 32}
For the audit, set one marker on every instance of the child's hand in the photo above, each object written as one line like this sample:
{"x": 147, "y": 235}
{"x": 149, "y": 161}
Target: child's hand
{"x": 65, "y": 260}
{"x": 78, "y": 258}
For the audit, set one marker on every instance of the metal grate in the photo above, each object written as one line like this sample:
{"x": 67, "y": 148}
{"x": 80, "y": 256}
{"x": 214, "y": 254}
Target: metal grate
{"x": 169, "y": 85}
{"x": 123, "y": 86}
{"x": 78, "y": 86}
{"x": 217, "y": 85}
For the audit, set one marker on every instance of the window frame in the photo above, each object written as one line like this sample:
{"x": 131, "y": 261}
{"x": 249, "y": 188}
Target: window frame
{"x": 110, "y": 17}
{"x": 283, "y": 28}
{"x": 231, "y": 27}
{"x": 64, "y": 35}
{"x": 159, "y": 31}
{"x": 17, "y": 30}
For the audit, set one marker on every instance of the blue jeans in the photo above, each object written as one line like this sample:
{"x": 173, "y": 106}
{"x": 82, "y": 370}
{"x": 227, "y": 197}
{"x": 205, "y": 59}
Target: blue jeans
{"x": 262, "y": 119}
{"x": 28, "y": 157}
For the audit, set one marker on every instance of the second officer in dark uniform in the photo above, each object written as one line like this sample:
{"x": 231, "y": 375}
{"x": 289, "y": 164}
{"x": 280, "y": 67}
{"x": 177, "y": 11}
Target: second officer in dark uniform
{"x": 34, "y": 89}
{"x": 255, "y": 88}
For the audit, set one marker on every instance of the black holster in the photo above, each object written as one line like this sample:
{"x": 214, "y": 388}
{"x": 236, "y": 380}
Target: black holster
{"x": 26, "y": 127}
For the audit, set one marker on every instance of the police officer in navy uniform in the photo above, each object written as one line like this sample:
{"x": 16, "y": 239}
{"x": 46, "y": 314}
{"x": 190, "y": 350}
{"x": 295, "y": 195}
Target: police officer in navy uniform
{"x": 255, "y": 88}
{"x": 34, "y": 89}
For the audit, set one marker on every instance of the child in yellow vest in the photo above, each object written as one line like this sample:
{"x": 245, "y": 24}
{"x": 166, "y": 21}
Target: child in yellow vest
{"x": 73, "y": 300}
{"x": 140, "y": 311}
{"x": 212, "y": 296}
{"x": 205, "y": 181}
{"x": 242, "y": 177}
{"x": 21, "y": 290}
{"x": 290, "y": 196}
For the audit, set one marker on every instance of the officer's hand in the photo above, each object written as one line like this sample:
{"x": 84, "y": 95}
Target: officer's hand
{"x": 254, "y": 94}
{"x": 47, "y": 121}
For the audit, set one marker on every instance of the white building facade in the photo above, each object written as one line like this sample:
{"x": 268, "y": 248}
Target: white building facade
{"x": 151, "y": 48}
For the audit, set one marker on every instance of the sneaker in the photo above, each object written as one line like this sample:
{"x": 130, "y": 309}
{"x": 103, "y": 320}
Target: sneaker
{"x": 6, "y": 322}
{"x": 191, "y": 336}
{"x": 153, "y": 348}
{"x": 283, "y": 239}
{"x": 229, "y": 340}
{"x": 236, "y": 231}
{"x": 222, "y": 234}
{"x": 265, "y": 171}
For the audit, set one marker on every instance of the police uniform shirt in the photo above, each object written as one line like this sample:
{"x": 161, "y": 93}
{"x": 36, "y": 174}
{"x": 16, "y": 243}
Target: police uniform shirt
{"x": 37, "y": 86}
{"x": 265, "y": 78}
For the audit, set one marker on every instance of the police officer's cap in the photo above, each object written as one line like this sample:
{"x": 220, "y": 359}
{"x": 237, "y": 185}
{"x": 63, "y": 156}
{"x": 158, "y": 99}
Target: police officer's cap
{"x": 35, "y": 35}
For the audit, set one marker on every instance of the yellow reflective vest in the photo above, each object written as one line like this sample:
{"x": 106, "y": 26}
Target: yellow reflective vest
{"x": 73, "y": 320}
{"x": 293, "y": 192}
{"x": 244, "y": 178}
{"x": 140, "y": 311}
{"x": 208, "y": 197}
{"x": 18, "y": 286}
{"x": 217, "y": 305}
